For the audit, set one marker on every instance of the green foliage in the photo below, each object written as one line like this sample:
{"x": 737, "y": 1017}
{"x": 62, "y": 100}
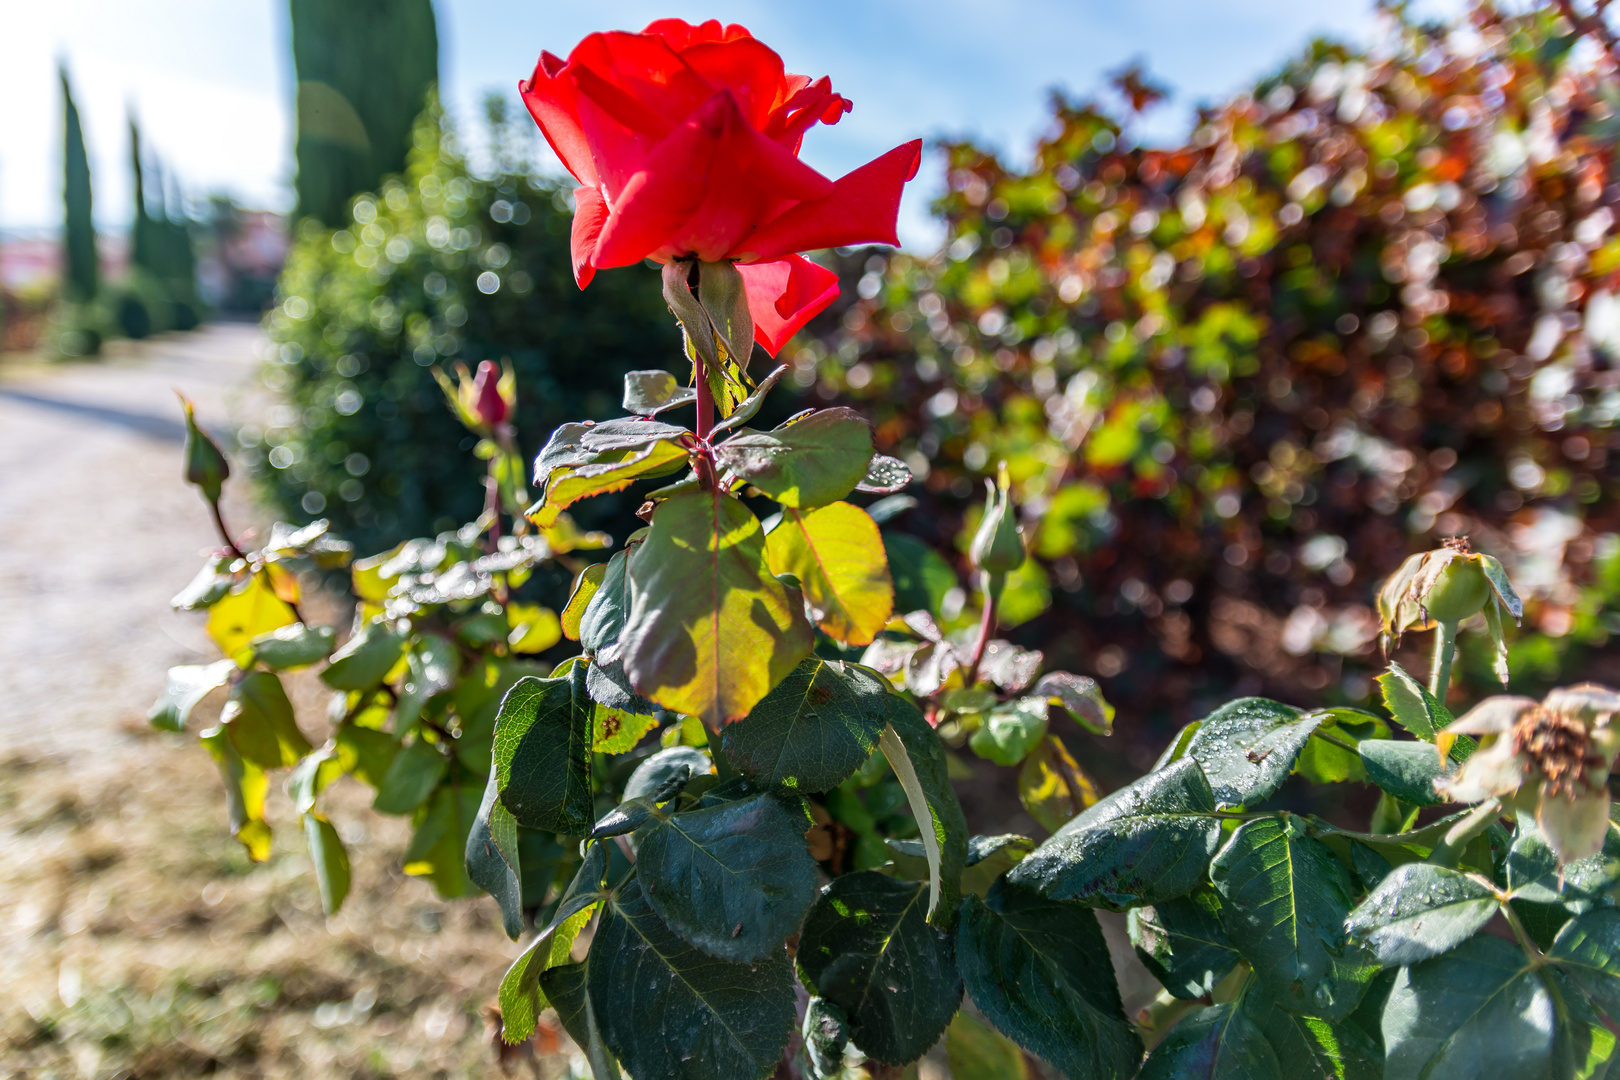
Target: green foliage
{"x": 368, "y": 307}
{"x": 81, "y": 266}
{"x": 364, "y": 71}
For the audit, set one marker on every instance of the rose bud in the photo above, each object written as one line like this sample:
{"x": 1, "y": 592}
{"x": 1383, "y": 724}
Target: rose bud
{"x": 205, "y": 463}
{"x": 488, "y": 403}
{"x": 998, "y": 547}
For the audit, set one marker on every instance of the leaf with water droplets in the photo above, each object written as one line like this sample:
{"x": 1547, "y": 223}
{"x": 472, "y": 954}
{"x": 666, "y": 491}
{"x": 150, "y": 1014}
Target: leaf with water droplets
{"x": 1182, "y": 943}
{"x": 1420, "y": 911}
{"x": 885, "y": 475}
{"x": 1248, "y": 747}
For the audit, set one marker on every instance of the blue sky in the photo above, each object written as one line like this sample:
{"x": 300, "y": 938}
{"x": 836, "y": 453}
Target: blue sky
{"x": 211, "y": 80}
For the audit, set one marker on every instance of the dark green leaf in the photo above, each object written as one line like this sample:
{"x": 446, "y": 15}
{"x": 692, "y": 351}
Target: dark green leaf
{"x": 294, "y": 646}
{"x": 1534, "y": 875}
{"x": 185, "y": 688}
{"x": 213, "y": 581}
{"x": 1407, "y": 770}
{"x": 921, "y": 576}
{"x": 1413, "y": 707}
{"x": 543, "y": 753}
{"x": 710, "y": 631}
{"x": 813, "y": 730}
{"x": 671, "y": 1012}
{"x": 671, "y": 763}
{"x": 734, "y": 879}
{"x": 867, "y": 947}
{"x": 1313, "y": 1049}
{"x": 1078, "y": 696}
{"x": 1217, "y": 1043}
{"x": 602, "y": 624}
{"x": 413, "y": 774}
{"x": 1587, "y": 950}
{"x": 1284, "y": 898}
{"x": 885, "y": 475}
{"x": 1480, "y": 1010}
{"x": 648, "y": 393}
{"x": 749, "y": 405}
{"x": 522, "y": 999}
{"x": 1039, "y": 970}
{"x": 493, "y": 862}
{"x": 365, "y": 659}
{"x": 331, "y": 861}
{"x": 1248, "y": 747}
{"x": 566, "y": 988}
{"x": 259, "y": 720}
{"x": 1178, "y": 746}
{"x": 1182, "y": 943}
{"x": 1420, "y": 911}
{"x": 814, "y": 462}
{"x": 1145, "y": 843}
{"x": 825, "y": 1033}
{"x": 919, "y": 762}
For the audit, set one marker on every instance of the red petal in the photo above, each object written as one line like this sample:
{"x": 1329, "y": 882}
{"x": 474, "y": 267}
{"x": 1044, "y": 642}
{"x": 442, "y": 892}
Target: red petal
{"x": 749, "y": 69}
{"x": 648, "y": 79}
{"x": 554, "y": 104}
{"x": 785, "y": 294}
{"x": 703, "y": 189}
{"x": 683, "y": 35}
{"x": 590, "y": 214}
{"x": 861, "y": 209}
{"x": 802, "y": 109}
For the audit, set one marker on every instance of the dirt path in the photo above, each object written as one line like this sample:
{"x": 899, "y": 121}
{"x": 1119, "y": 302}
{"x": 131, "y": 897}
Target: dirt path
{"x": 98, "y": 531}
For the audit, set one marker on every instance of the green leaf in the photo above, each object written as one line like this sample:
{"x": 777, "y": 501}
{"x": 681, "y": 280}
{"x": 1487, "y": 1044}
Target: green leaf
{"x": 295, "y": 646}
{"x": 601, "y": 472}
{"x": 1420, "y": 911}
{"x": 1039, "y": 970}
{"x": 1052, "y": 786}
{"x": 837, "y": 555}
{"x": 438, "y": 847}
{"x": 710, "y": 631}
{"x": 413, "y": 774}
{"x": 734, "y": 879}
{"x": 918, "y": 760}
{"x": 1534, "y": 875}
{"x": 1249, "y": 746}
{"x": 671, "y": 1012}
{"x": 246, "y": 786}
{"x": 813, "y": 730}
{"x": 1480, "y": 1010}
{"x": 988, "y": 858}
{"x": 814, "y": 462}
{"x": 430, "y": 669}
{"x": 1182, "y": 943}
{"x": 259, "y": 720}
{"x": 1327, "y": 762}
{"x": 493, "y": 862}
{"x": 1143, "y": 844}
{"x": 212, "y": 582}
{"x": 566, "y": 987}
{"x": 1407, "y": 770}
{"x": 1411, "y": 704}
{"x": 521, "y": 997}
{"x": 187, "y": 686}
{"x": 825, "y": 1033}
{"x": 1217, "y": 1043}
{"x": 977, "y": 1051}
{"x": 668, "y": 764}
{"x": 1284, "y": 898}
{"x": 618, "y": 731}
{"x": 648, "y": 393}
{"x": 601, "y": 625}
{"x": 1010, "y": 731}
{"x": 1587, "y": 950}
{"x": 867, "y": 947}
{"x": 543, "y": 753}
{"x": 311, "y": 776}
{"x": 1313, "y": 1049}
{"x": 749, "y": 405}
{"x": 1078, "y": 696}
{"x": 920, "y": 574}
{"x": 365, "y": 659}
{"x": 1178, "y": 746}
{"x": 330, "y": 859}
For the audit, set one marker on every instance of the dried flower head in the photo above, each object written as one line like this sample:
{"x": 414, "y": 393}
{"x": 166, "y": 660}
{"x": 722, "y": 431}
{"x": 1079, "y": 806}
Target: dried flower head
{"x": 1448, "y": 585}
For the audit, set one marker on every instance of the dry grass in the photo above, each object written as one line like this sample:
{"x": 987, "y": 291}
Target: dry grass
{"x": 136, "y": 940}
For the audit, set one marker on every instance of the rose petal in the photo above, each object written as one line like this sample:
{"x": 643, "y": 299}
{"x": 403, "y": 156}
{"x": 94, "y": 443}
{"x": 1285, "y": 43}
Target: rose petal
{"x": 554, "y": 104}
{"x": 1493, "y": 770}
{"x": 750, "y": 69}
{"x": 1586, "y": 702}
{"x": 785, "y": 294}
{"x": 590, "y": 214}
{"x": 1575, "y": 828}
{"x": 1493, "y": 716}
{"x": 860, "y": 209}
{"x": 806, "y": 106}
{"x": 703, "y": 188}
{"x": 681, "y": 34}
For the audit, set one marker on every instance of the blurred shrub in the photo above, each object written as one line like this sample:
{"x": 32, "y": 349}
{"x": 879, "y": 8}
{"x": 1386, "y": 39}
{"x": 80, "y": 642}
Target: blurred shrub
{"x": 1368, "y": 305}
{"x": 438, "y": 266}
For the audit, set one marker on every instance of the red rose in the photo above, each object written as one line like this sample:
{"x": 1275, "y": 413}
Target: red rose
{"x": 685, "y": 141}
{"x": 486, "y": 395}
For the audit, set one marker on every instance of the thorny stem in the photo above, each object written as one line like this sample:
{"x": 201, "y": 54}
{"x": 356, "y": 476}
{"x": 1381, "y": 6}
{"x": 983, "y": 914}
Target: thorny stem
{"x": 1445, "y": 651}
{"x": 224, "y": 533}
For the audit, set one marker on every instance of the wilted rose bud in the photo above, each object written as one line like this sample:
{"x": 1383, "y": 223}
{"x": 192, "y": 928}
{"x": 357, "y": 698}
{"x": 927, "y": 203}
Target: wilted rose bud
{"x": 1446, "y": 586}
{"x": 998, "y": 548}
{"x": 205, "y": 464}
{"x": 488, "y": 403}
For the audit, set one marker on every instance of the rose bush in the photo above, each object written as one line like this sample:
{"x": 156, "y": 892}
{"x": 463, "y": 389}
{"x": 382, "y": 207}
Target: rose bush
{"x": 685, "y": 142}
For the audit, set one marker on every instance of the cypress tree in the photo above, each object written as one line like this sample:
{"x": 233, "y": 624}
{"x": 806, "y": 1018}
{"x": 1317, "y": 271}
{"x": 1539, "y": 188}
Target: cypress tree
{"x": 141, "y": 253}
{"x": 81, "y": 276}
{"x": 364, "y": 68}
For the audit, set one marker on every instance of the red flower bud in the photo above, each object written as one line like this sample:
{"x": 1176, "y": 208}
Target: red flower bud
{"x": 487, "y": 395}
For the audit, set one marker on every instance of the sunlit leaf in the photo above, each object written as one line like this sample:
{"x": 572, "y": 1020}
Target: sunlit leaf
{"x": 258, "y": 719}
{"x": 242, "y": 615}
{"x": 331, "y": 861}
{"x": 837, "y": 555}
{"x": 1052, "y": 786}
{"x": 186, "y": 686}
{"x": 814, "y": 462}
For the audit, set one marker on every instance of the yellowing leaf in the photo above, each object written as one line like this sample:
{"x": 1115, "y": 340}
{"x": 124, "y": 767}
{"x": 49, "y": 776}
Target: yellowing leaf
{"x": 1052, "y": 786}
{"x": 571, "y": 483}
{"x": 534, "y": 628}
{"x": 837, "y": 554}
{"x": 710, "y": 631}
{"x": 366, "y": 574}
{"x": 585, "y": 586}
{"x": 284, "y": 582}
{"x": 239, "y": 617}
{"x": 617, "y": 731}
{"x": 246, "y": 786}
